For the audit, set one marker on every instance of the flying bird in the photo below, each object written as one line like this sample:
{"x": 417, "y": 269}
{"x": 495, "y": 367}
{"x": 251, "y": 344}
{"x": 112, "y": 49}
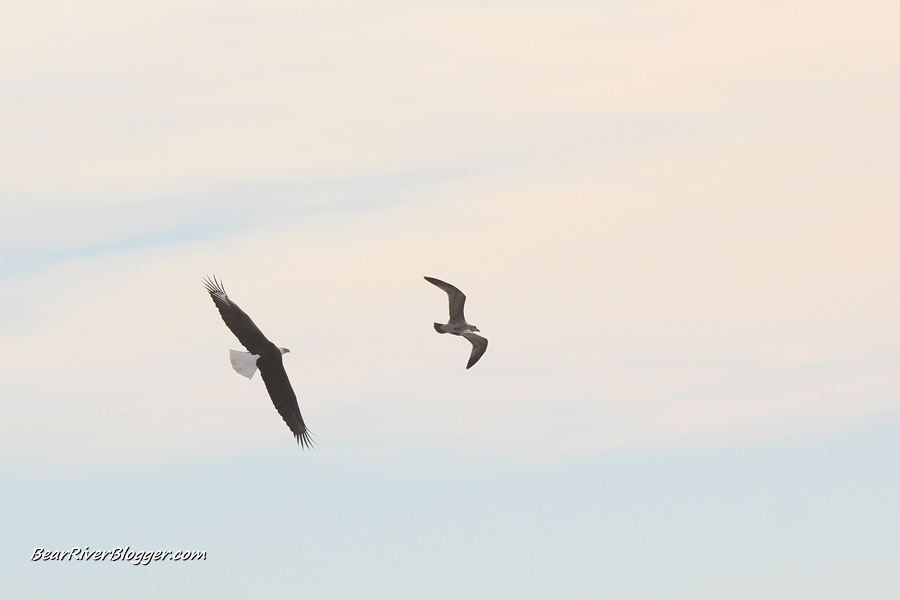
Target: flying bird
{"x": 262, "y": 355}
{"x": 457, "y": 324}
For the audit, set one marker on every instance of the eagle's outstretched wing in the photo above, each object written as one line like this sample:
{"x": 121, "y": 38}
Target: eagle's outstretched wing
{"x": 283, "y": 397}
{"x": 237, "y": 320}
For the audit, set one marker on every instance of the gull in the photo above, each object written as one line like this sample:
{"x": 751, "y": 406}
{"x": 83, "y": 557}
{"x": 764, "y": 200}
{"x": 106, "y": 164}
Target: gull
{"x": 457, "y": 324}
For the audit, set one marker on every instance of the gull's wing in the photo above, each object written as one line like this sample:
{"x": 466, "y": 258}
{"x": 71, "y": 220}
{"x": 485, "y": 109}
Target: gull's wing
{"x": 457, "y": 299}
{"x": 236, "y": 319}
{"x": 479, "y": 345}
{"x": 283, "y": 397}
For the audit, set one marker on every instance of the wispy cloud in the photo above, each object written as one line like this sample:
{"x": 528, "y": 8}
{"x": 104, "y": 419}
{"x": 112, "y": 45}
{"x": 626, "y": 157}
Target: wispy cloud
{"x": 612, "y": 324}
{"x": 674, "y": 223}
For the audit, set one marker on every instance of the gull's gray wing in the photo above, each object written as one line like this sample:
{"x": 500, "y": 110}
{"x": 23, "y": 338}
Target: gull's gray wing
{"x": 457, "y": 300}
{"x": 479, "y": 345}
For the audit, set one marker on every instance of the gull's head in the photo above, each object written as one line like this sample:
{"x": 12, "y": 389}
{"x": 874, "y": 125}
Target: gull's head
{"x": 284, "y": 350}
{"x": 475, "y": 328}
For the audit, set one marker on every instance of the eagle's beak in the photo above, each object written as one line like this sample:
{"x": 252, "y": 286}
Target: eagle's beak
{"x": 286, "y": 350}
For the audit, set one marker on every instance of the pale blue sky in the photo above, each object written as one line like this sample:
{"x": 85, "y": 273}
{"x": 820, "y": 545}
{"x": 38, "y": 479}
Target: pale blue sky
{"x": 810, "y": 518}
{"x": 677, "y": 223}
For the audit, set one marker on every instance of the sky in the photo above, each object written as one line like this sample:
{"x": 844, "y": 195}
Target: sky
{"x": 676, "y": 222}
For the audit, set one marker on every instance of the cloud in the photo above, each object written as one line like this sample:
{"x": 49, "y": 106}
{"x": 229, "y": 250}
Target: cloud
{"x": 616, "y": 319}
{"x": 674, "y": 224}
{"x": 146, "y": 94}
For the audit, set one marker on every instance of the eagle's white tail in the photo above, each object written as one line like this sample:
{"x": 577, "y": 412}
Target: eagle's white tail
{"x": 244, "y": 363}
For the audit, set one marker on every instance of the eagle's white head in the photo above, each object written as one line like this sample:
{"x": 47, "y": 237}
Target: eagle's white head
{"x": 284, "y": 351}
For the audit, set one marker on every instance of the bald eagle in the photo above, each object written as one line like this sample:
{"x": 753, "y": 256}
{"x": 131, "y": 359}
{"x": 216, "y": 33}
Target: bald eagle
{"x": 262, "y": 355}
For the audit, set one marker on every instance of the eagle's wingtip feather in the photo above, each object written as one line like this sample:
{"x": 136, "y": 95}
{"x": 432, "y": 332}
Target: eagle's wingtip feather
{"x": 304, "y": 440}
